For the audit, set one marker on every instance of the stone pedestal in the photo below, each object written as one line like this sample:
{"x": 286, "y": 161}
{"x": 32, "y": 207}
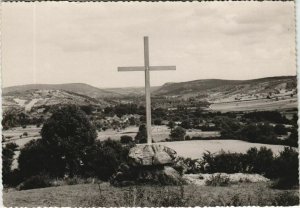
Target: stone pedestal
{"x": 148, "y": 164}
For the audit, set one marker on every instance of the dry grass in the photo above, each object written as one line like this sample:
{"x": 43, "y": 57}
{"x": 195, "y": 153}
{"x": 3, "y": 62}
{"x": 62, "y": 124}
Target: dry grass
{"x": 249, "y": 194}
{"x": 255, "y": 105}
{"x": 195, "y": 149}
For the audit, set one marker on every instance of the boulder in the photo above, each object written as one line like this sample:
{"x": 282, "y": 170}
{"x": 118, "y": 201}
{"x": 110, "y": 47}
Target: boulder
{"x": 149, "y": 155}
{"x": 151, "y": 164}
{"x": 162, "y": 175}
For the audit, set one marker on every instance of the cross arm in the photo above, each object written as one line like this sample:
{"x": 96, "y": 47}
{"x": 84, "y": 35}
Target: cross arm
{"x": 142, "y": 68}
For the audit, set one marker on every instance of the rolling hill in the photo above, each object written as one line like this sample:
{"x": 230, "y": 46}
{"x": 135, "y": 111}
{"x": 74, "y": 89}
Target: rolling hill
{"x": 79, "y": 88}
{"x": 218, "y": 89}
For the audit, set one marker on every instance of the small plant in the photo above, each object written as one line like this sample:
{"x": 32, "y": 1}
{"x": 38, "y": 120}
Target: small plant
{"x": 25, "y": 133}
{"x": 218, "y": 180}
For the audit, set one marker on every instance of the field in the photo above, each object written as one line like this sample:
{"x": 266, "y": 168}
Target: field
{"x": 247, "y": 194}
{"x": 264, "y": 104}
{"x": 195, "y": 149}
{"x": 159, "y": 133}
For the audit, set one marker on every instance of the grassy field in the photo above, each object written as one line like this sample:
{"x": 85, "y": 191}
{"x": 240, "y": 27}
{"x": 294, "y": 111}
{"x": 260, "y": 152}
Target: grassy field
{"x": 195, "y": 149}
{"x": 247, "y": 194}
{"x": 255, "y": 105}
{"x": 160, "y": 133}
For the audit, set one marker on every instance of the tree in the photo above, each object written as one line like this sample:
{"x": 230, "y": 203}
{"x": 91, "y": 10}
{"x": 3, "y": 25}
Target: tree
{"x": 280, "y": 129}
{"x": 157, "y": 121}
{"x": 69, "y": 132}
{"x": 126, "y": 139}
{"x": 141, "y": 136}
{"x": 171, "y": 125}
{"x": 178, "y": 133}
{"x": 186, "y": 124}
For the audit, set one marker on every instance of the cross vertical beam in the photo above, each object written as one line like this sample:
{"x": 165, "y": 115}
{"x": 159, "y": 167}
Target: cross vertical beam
{"x": 147, "y": 68}
{"x": 147, "y": 90}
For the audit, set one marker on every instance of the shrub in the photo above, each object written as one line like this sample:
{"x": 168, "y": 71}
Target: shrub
{"x": 217, "y": 180}
{"x": 7, "y": 159}
{"x": 12, "y": 146}
{"x": 280, "y": 129}
{"x": 126, "y": 139}
{"x": 38, "y": 181}
{"x": 286, "y": 168}
{"x": 36, "y": 157}
{"x": 271, "y": 116}
{"x": 177, "y": 134}
{"x": 141, "y": 136}
{"x": 25, "y": 134}
{"x": 103, "y": 159}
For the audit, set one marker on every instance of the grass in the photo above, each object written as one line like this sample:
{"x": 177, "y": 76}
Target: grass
{"x": 255, "y": 105}
{"x": 195, "y": 149}
{"x": 246, "y": 194}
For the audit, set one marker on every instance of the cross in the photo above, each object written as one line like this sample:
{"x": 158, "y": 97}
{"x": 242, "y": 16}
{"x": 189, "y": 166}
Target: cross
{"x": 147, "y": 68}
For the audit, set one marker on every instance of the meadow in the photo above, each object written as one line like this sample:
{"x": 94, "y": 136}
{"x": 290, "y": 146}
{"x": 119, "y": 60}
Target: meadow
{"x": 255, "y": 105}
{"x": 103, "y": 194}
{"x": 195, "y": 149}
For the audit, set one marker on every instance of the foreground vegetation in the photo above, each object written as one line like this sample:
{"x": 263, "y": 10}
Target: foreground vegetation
{"x": 68, "y": 153}
{"x": 87, "y": 195}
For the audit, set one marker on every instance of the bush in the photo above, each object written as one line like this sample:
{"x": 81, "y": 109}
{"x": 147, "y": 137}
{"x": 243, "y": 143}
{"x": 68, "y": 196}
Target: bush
{"x": 271, "y": 116}
{"x": 7, "y": 159}
{"x": 283, "y": 168}
{"x": 36, "y": 157}
{"x": 104, "y": 158}
{"x": 12, "y": 146}
{"x": 126, "y": 139}
{"x": 218, "y": 180}
{"x": 286, "y": 168}
{"x": 280, "y": 129}
{"x": 177, "y": 134}
{"x": 25, "y": 134}
{"x": 33, "y": 182}
{"x": 141, "y": 136}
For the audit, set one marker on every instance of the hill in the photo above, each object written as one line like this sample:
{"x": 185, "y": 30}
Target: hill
{"x": 79, "y": 88}
{"x": 34, "y": 99}
{"x": 218, "y": 90}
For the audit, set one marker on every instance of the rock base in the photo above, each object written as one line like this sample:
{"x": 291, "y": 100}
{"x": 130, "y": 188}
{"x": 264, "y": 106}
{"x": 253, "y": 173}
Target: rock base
{"x": 150, "y": 164}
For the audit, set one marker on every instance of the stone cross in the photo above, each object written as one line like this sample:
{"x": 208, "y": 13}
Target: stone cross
{"x": 147, "y": 68}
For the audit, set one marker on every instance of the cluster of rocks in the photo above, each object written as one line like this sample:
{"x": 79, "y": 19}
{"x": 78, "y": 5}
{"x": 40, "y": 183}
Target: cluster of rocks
{"x": 154, "y": 164}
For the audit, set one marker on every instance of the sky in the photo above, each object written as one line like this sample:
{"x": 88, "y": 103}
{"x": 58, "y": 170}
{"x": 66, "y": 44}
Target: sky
{"x": 63, "y": 42}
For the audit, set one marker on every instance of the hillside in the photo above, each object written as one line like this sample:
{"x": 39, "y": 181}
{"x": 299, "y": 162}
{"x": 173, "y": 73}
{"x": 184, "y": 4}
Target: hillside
{"x": 131, "y": 91}
{"x": 41, "y": 98}
{"x": 217, "y": 90}
{"x": 79, "y": 88}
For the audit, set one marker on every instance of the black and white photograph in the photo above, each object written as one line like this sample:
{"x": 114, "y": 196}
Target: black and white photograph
{"x": 149, "y": 104}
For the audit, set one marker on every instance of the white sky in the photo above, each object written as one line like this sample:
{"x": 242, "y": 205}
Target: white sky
{"x": 61, "y": 42}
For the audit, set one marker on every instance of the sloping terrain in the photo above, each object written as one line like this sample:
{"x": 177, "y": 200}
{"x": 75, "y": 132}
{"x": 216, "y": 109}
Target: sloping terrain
{"x": 78, "y": 88}
{"x": 217, "y": 90}
{"x": 102, "y": 195}
{"x": 35, "y": 99}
